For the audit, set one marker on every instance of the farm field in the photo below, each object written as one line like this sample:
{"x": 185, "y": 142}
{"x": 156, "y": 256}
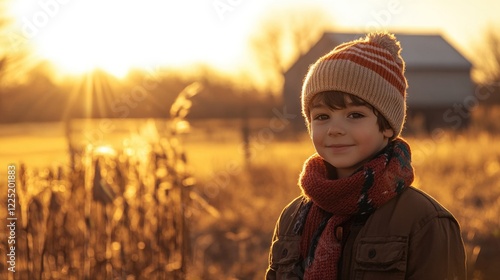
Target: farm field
{"x": 235, "y": 202}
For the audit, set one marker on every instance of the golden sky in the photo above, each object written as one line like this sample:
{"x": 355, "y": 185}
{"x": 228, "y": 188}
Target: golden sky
{"x": 80, "y": 35}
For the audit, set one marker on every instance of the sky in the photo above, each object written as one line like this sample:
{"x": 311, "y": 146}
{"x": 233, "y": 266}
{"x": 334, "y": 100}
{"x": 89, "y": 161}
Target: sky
{"x": 115, "y": 35}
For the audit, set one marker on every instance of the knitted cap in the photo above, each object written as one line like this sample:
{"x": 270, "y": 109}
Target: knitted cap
{"x": 370, "y": 68}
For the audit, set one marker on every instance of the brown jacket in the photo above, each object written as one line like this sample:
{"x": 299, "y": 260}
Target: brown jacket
{"x": 410, "y": 237}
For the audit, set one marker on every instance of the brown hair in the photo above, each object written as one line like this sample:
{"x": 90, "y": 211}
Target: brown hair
{"x": 336, "y": 100}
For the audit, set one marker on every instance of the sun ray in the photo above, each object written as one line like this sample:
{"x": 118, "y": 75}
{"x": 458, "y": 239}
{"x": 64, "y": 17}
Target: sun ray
{"x": 104, "y": 92}
{"x": 87, "y": 92}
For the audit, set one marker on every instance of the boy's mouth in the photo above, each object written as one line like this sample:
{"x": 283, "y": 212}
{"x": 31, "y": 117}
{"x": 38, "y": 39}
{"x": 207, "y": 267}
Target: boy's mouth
{"x": 339, "y": 147}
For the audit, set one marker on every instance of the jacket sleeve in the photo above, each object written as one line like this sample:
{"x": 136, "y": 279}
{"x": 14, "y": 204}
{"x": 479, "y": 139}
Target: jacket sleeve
{"x": 284, "y": 249}
{"x": 436, "y": 251}
{"x": 271, "y": 269}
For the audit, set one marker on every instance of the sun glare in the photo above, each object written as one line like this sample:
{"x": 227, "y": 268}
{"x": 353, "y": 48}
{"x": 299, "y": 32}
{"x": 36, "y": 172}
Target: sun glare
{"x": 113, "y": 35}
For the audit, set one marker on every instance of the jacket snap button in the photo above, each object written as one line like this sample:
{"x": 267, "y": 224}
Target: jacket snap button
{"x": 372, "y": 253}
{"x": 284, "y": 252}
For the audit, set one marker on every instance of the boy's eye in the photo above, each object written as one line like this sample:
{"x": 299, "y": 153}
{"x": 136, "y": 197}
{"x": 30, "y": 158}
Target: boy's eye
{"x": 320, "y": 117}
{"x": 355, "y": 115}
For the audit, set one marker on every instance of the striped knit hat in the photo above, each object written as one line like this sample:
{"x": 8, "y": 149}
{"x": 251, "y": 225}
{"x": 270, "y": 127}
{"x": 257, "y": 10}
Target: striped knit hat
{"x": 370, "y": 68}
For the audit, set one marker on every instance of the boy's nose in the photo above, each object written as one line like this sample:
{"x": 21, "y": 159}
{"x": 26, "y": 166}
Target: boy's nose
{"x": 335, "y": 130}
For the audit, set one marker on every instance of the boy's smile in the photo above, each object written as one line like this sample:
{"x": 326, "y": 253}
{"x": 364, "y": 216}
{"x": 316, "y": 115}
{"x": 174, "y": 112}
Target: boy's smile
{"x": 346, "y": 137}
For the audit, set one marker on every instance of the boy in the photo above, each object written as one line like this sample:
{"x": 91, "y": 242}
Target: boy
{"x": 358, "y": 216}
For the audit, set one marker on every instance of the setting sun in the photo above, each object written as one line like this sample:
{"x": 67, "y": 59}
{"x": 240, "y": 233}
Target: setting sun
{"x": 80, "y": 36}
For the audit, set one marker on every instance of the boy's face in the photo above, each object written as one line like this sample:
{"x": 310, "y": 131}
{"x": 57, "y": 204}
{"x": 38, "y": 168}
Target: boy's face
{"x": 346, "y": 137}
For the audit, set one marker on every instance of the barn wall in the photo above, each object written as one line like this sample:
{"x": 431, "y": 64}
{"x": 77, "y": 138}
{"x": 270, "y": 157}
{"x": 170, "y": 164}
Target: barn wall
{"x": 434, "y": 88}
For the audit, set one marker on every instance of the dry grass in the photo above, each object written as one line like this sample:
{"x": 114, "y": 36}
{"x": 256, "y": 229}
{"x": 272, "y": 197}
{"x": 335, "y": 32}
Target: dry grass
{"x": 112, "y": 213}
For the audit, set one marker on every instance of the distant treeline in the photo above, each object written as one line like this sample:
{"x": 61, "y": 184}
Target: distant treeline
{"x": 140, "y": 95}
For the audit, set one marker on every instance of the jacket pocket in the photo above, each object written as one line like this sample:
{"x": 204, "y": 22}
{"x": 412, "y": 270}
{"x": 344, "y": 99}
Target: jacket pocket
{"x": 285, "y": 257}
{"x": 386, "y": 255}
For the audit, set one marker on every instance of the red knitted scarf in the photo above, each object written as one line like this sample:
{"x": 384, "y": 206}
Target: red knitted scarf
{"x": 336, "y": 201}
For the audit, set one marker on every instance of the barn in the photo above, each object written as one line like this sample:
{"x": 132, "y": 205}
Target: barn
{"x": 440, "y": 89}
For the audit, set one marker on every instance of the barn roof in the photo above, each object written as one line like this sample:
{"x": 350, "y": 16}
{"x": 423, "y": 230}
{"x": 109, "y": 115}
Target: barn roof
{"x": 419, "y": 50}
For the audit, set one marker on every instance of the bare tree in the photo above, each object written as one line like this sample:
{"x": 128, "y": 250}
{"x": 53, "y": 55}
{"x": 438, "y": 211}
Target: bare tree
{"x": 486, "y": 71}
{"x": 15, "y": 50}
{"x": 487, "y": 66}
{"x": 282, "y": 37}
{"x": 4, "y": 21}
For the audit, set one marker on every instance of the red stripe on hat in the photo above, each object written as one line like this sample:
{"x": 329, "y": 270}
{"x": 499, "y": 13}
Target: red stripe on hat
{"x": 374, "y": 48}
{"x": 393, "y": 75}
{"x": 377, "y": 52}
{"x": 394, "y": 67}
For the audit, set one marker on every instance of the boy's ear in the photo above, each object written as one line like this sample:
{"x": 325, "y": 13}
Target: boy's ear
{"x": 388, "y": 133}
